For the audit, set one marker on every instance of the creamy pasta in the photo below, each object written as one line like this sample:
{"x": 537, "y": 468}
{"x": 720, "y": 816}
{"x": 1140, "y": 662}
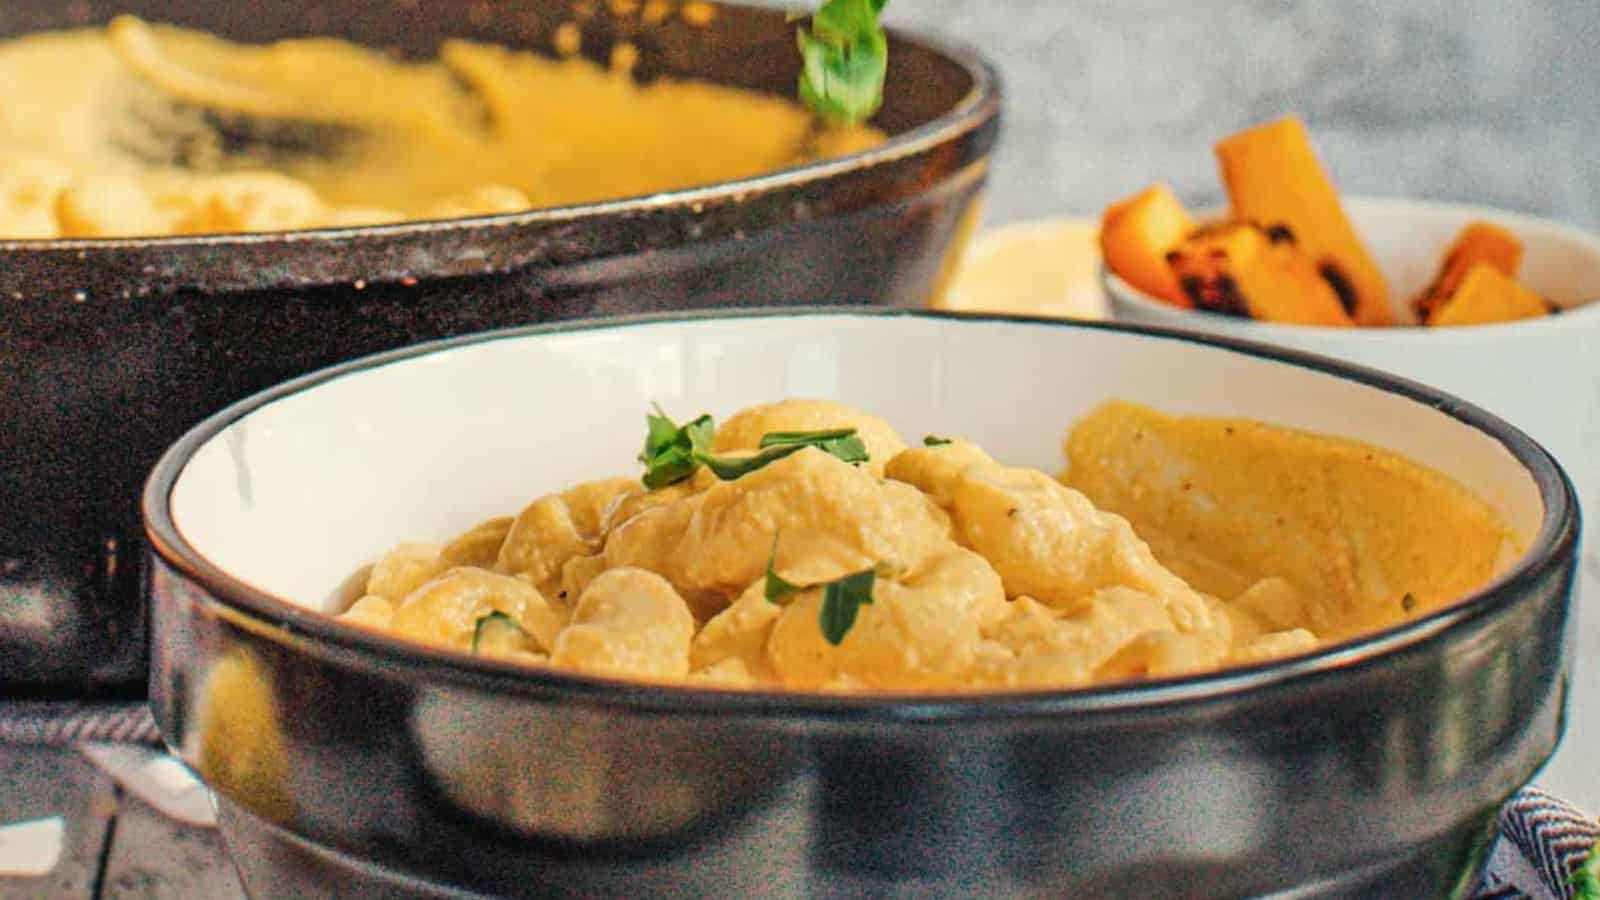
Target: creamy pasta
{"x": 983, "y": 576}
{"x": 139, "y": 129}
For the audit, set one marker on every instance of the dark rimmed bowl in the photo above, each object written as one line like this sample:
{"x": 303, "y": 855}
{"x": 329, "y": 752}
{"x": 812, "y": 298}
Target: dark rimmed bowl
{"x": 109, "y": 349}
{"x": 349, "y": 764}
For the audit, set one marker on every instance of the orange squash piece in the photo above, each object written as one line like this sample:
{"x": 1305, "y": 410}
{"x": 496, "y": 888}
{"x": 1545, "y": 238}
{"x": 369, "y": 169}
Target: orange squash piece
{"x": 1273, "y": 177}
{"x": 1487, "y": 295}
{"x": 1136, "y": 235}
{"x": 1479, "y": 242}
{"x": 1240, "y": 269}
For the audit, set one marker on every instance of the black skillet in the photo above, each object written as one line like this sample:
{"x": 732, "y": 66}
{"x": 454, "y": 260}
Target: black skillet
{"x": 110, "y": 349}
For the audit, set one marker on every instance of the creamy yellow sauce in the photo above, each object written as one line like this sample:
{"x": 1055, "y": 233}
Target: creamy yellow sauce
{"x": 989, "y": 576}
{"x": 137, "y": 129}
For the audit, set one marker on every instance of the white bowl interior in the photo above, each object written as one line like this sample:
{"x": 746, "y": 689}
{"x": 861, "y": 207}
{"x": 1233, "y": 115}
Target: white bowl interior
{"x": 297, "y": 494}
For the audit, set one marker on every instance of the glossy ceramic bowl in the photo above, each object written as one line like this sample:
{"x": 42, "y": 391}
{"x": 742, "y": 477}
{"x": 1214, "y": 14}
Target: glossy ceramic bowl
{"x": 109, "y": 349}
{"x": 1542, "y": 376}
{"x": 346, "y": 763}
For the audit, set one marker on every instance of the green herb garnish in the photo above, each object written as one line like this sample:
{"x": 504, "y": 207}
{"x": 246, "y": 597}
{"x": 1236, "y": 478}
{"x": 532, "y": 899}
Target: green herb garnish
{"x": 775, "y": 438}
{"x": 778, "y": 590}
{"x": 662, "y": 434}
{"x": 730, "y": 467}
{"x": 842, "y": 598}
{"x": 841, "y": 443}
{"x": 933, "y": 440}
{"x": 670, "y": 451}
{"x": 496, "y": 631}
{"x": 845, "y": 58}
{"x": 670, "y": 468}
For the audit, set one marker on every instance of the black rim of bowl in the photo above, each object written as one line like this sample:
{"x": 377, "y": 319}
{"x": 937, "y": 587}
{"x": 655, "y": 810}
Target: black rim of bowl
{"x": 1555, "y": 542}
{"x": 980, "y": 104}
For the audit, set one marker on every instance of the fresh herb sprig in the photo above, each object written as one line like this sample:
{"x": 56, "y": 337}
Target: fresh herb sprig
{"x": 672, "y": 453}
{"x": 933, "y": 440}
{"x": 841, "y": 442}
{"x": 775, "y": 445}
{"x": 845, "y": 59}
{"x": 842, "y": 598}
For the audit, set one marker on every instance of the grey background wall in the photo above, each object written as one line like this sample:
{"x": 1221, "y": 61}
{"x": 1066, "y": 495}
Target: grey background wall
{"x": 1489, "y": 101}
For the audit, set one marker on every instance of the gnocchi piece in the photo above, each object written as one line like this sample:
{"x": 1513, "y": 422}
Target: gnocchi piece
{"x": 738, "y": 633}
{"x": 629, "y": 622}
{"x": 1049, "y": 646}
{"x": 637, "y": 499}
{"x": 1049, "y": 542}
{"x": 1160, "y": 654}
{"x": 730, "y": 672}
{"x": 448, "y": 609}
{"x": 1275, "y": 604}
{"x": 1018, "y": 650}
{"x": 240, "y": 201}
{"x": 745, "y": 429}
{"x": 1274, "y": 645}
{"x": 111, "y": 206}
{"x": 479, "y": 546}
{"x": 371, "y": 611}
{"x": 1243, "y": 626}
{"x": 556, "y": 528}
{"x": 358, "y": 217}
{"x": 498, "y": 636}
{"x": 918, "y": 633}
{"x": 577, "y": 574}
{"x": 588, "y": 502}
{"x": 541, "y": 540}
{"x": 403, "y": 570}
{"x": 935, "y": 470}
{"x": 483, "y": 200}
{"x": 832, "y": 518}
{"x": 29, "y": 187}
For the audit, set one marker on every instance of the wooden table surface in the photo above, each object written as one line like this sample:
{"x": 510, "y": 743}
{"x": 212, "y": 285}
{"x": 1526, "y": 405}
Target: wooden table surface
{"x": 116, "y": 845}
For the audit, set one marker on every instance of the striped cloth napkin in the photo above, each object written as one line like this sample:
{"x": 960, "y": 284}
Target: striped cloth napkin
{"x": 1545, "y": 849}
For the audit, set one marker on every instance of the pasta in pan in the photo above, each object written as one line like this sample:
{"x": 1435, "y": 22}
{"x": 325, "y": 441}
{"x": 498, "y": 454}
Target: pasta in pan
{"x": 804, "y": 546}
{"x": 141, "y": 129}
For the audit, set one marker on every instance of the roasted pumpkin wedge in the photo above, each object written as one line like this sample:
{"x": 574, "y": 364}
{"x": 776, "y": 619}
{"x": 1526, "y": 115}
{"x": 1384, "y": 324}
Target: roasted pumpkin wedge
{"x": 1242, "y": 269}
{"x": 1479, "y": 242}
{"x": 1136, "y": 235}
{"x": 1486, "y": 295}
{"x": 1273, "y": 177}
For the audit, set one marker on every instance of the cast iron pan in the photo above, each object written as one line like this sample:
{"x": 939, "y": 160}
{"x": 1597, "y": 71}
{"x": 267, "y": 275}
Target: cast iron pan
{"x": 110, "y": 349}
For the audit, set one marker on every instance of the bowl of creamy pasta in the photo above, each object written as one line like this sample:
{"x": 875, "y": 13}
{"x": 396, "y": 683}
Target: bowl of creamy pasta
{"x": 200, "y": 200}
{"x": 894, "y": 603}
